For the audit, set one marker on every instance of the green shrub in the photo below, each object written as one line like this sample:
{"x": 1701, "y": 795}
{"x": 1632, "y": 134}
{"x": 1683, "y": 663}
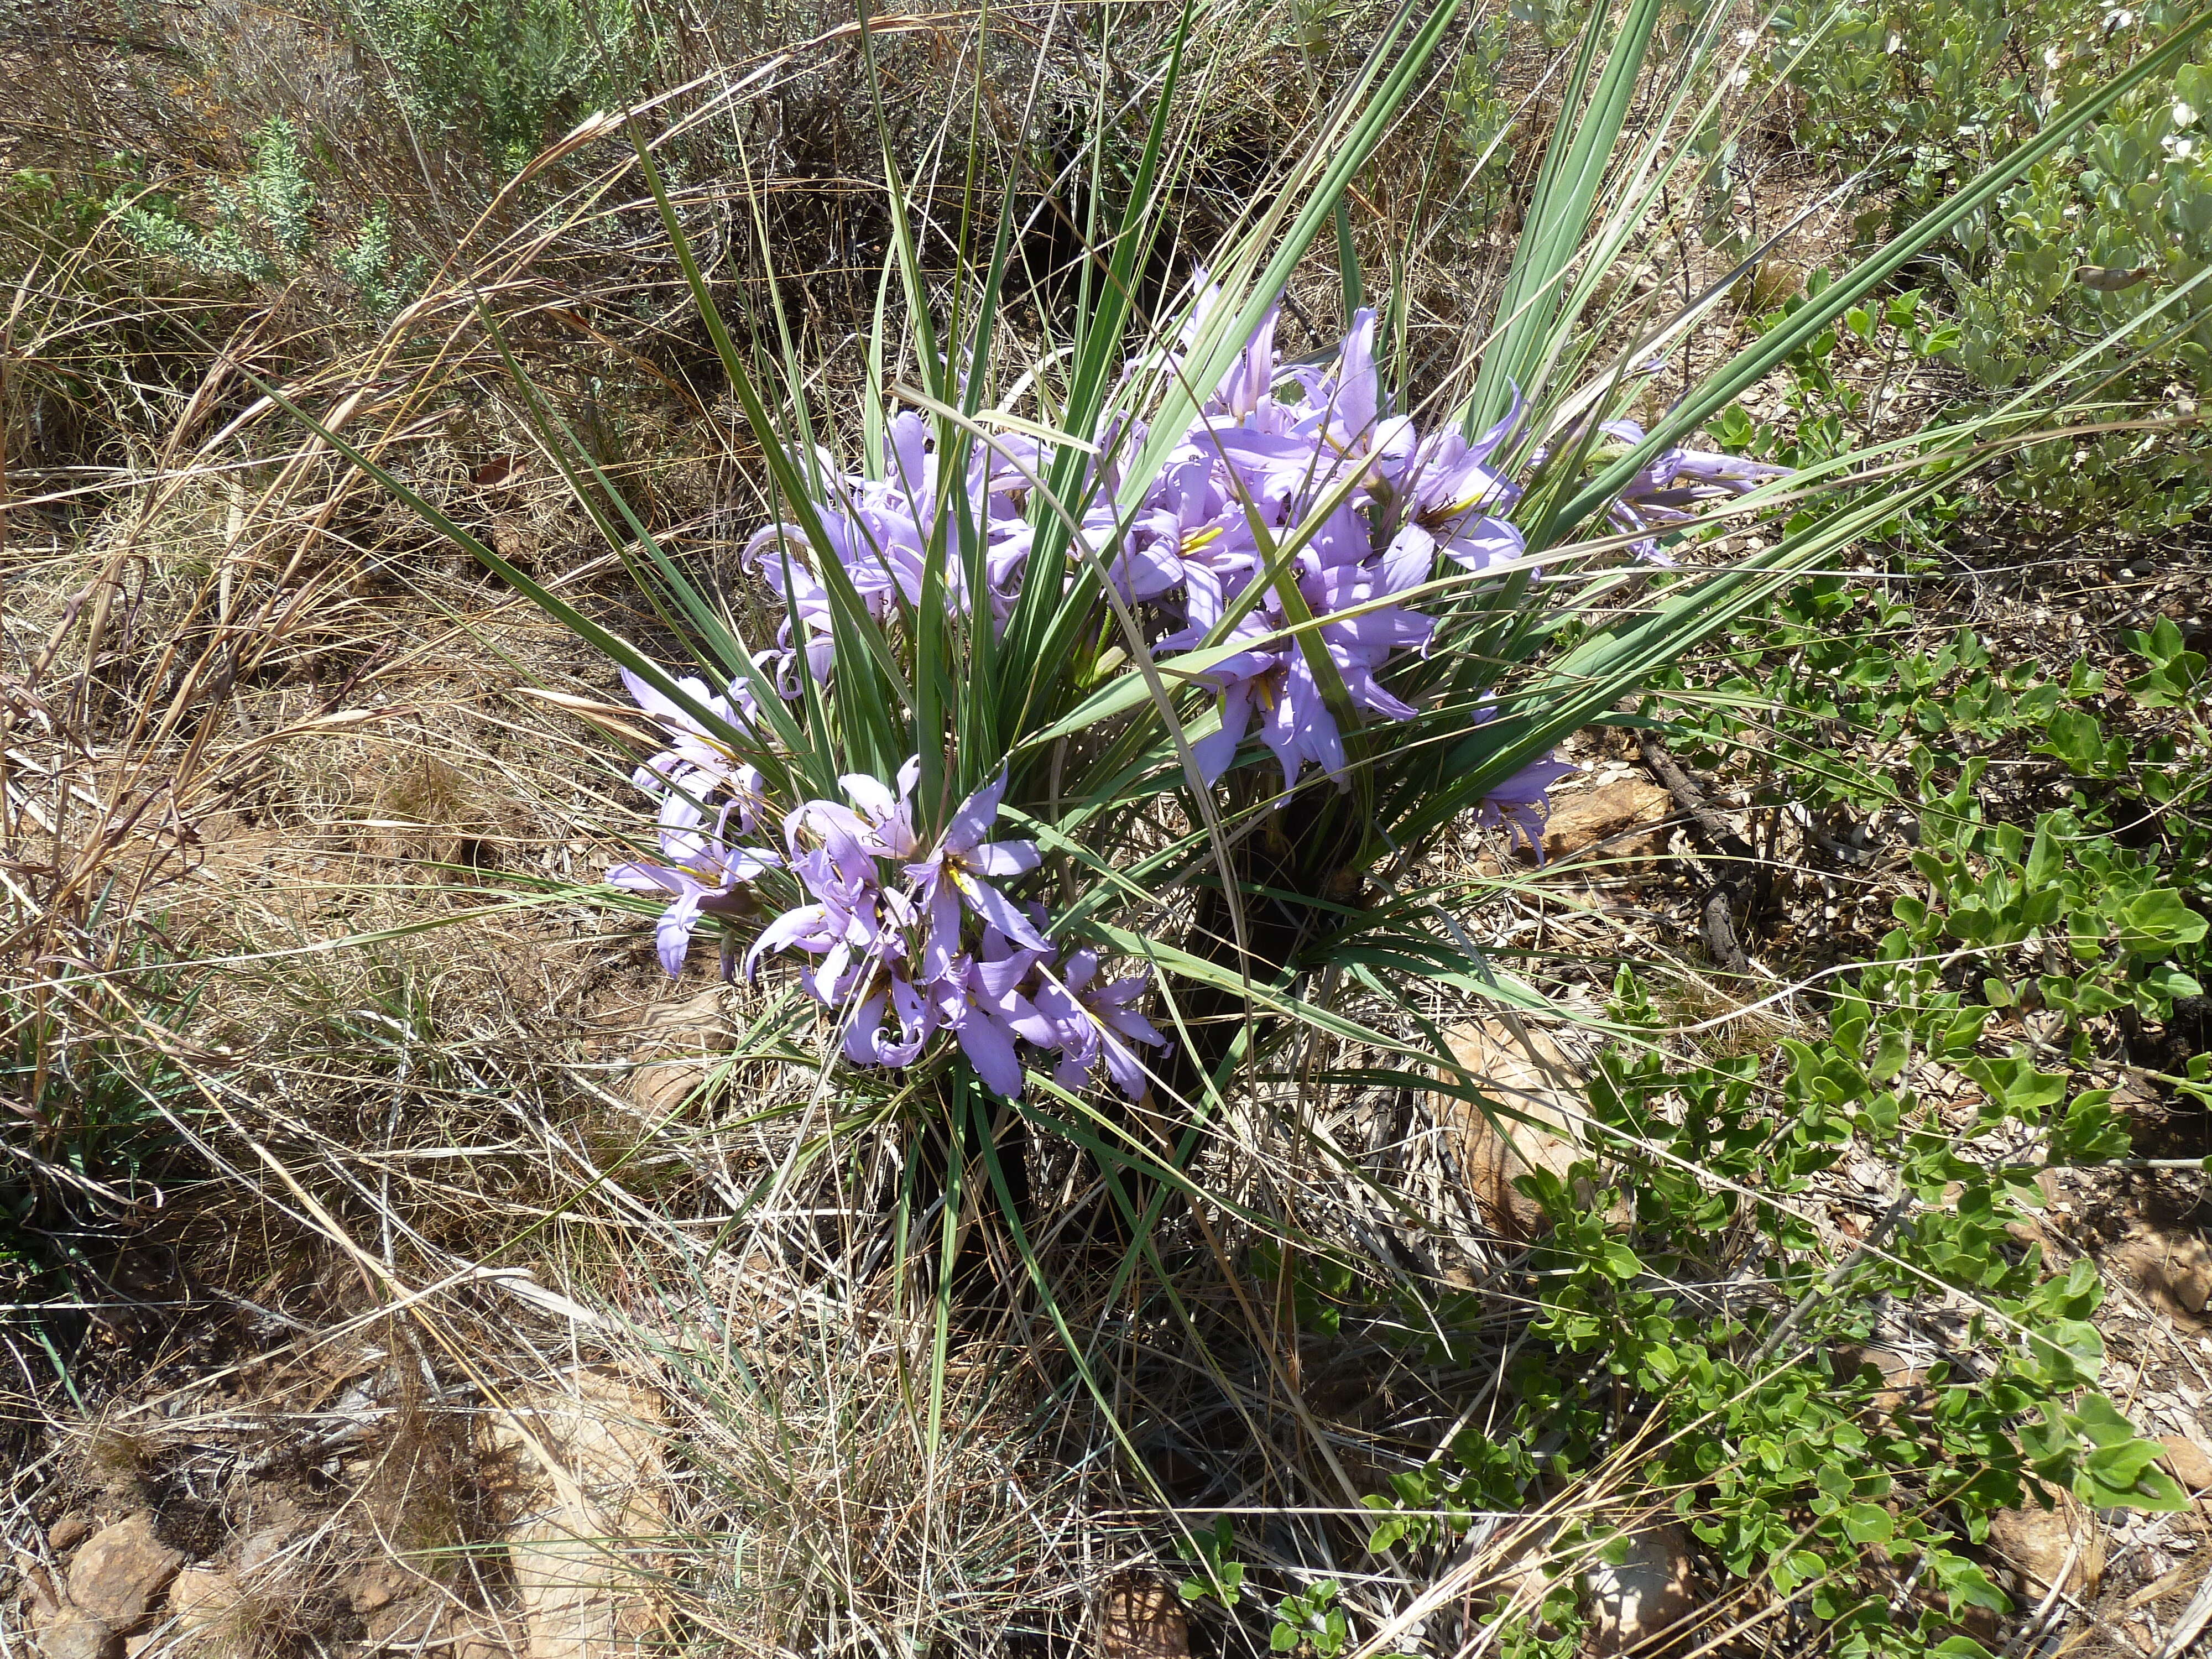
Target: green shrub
{"x": 507, "y": 73}
{"x": 262, "y": 227}
{"x": 2084, "y": 248}
{"x": 1717, "y": 1343}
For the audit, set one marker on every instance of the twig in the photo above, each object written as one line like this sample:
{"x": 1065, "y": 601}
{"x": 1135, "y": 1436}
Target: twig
{"x": 1730, "y": 852}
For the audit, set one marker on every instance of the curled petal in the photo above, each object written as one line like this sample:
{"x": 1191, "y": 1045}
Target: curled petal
{"x": 671, "y": 934}
{"x": 863, "y": 1036}
{"x": 805, "y": 928}
{"x": 871, "y": 795}
{"x": 1216, "y": 749}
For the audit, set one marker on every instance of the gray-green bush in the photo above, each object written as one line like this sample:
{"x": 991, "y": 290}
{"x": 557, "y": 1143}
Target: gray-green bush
{"x": 509, "y": 73}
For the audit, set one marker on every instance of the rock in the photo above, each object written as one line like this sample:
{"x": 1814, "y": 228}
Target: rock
{"x": 691, "y": 1037}
{"x": 1139, "y": 1618}
{"x": 201, "y": 1599}
{"x": 2174, "y": 1269}
{"x": 373, "y": 1588}
{"x": 483, "y": 1640}
{"x": 403, "y": 1622}
{"x": 1652, "y": 1589}
{"x": 597, "y": 1454}
{"x": 261, "y": 1547}
{"x": 121, "y": 1573}
{"x": 1525, "y": 1579}
{"x": 2063, "y": 1546}
{"x": 68, "y": 1532}
{"x": 1621, "y": 820}
{"x": 661, "y": 1086}
{"x": 2189, "y": 1463}
{"x": 78, "y": 1635}
{"x": 37, "y": 1593}
{"x": 1538, "y": 1111}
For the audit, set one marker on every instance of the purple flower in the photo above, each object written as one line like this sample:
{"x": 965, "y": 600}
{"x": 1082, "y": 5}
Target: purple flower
{"x": 959, "y": 871}
{"x": 695, "y": 749}
{"x": 1097, "y": 1022}
{"x": 702, "y": 871}
{"x": 906, "y": 947}
{"x": 906, "y": 938}
{"x": 981, "y": 1002}
{"x": 868, "y": 1044}
{"x": 854, "y": 922}
{"x": 1520, "y": 803}
{"x": 1662, "y": 493}
{"x": 1455, "y": 502}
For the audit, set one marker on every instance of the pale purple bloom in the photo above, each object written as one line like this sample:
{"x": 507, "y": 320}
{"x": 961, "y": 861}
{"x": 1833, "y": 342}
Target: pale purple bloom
{"x": 694, "y": 748}
{"x": 1521, "y": 802}
{"x": 1098, "y": 1022}
{"x": 702, "y": 872}
{"x": 866, "y": 1040}
{"x": 960, "y": 869}
{"x": 980, "y": 1002}
{"x": 908, "y": 945}
{"x": 1457, "y": 501}
{"x": 1664, "y": 490}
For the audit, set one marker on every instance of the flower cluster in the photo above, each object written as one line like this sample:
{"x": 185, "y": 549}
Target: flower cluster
{"x": 1274, "y": 446}
{"x": 917, "y": 939}
{"x": 903, "y": 940}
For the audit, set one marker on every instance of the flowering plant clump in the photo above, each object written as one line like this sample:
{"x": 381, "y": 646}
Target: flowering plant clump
{"x": 1296, "y": 532}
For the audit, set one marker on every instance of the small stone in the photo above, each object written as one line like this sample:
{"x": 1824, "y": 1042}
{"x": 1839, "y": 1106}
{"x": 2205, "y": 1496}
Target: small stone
{"x": 1652, "y": 1589}
{"x": 410, "y": 1619}
{"x": 576, "y": 1599}
{"x": 663, "y": 1085}
{"x": 482, "y": 1641}
{"x": 200, "y": 1598}
{"x": 262, "y": 1547}
{"x": 2189, "y": 1463}
{"x": 68, "y": 1532}
{"x": 1526, "y": 1579}
{"x": 1904, "y": 1385}
{"x": 78, "y": 1635}
{"x": 374, "y": 1587}
{"x": 121, "y": 1573}
{"x": 37, "y": 1592}
{"x": 687, "y": 1040}
{"x": 2063, "y": 1546}
{"x": 1138, "y": 1619}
